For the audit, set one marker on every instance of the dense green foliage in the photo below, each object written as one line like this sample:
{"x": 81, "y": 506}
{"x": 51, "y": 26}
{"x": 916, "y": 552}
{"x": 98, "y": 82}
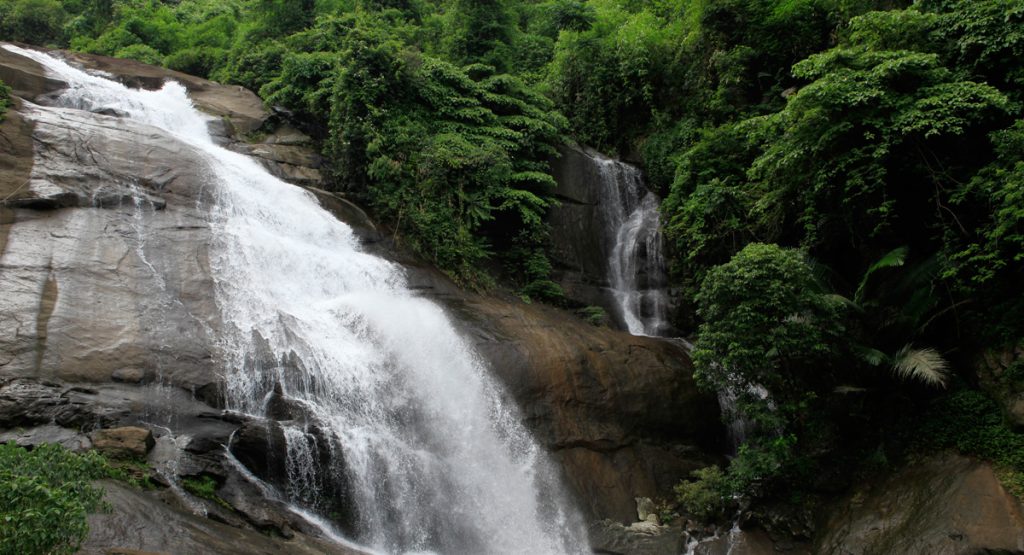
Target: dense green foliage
{"x": 431, "y": 113}
{"x": 45, "y": 496}
{"x": 893, "y": 165}
{"x": 5, "y": 99}
{"x": 843, "y": 179}
{"x": 766, "y": 325}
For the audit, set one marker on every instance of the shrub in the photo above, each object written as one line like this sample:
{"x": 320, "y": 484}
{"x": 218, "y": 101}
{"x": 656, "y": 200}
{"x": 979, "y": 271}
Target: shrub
{"x": 141, "y": 52}
{"x": 199, "y": 61}
{"x": 5, "y": 99}
{"x": 708, "y": 496}
{"x": 45, "y": 496}
{"x": 594, "y": 315}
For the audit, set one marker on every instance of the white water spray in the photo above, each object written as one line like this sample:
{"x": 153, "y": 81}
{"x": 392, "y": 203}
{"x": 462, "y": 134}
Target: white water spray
{"x": 431, "y": 452}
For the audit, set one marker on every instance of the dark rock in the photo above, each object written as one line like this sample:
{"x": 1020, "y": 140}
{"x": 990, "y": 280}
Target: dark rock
{"x": 139, "y": 520}
{"x": 621, "y": 413}
{"x": 27, "y": 402}
{"x": 260, "y": 445}
{"x": 129, "y": 375}
{"x": 580, "y": 243}
{"x": 944, "y": 504}
{"x": 281, "y": 407}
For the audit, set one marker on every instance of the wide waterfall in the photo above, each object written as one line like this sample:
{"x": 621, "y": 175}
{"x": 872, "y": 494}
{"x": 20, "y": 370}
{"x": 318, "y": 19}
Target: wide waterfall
{"x": 431, "y": 453}
{"x": 636, "y": 266}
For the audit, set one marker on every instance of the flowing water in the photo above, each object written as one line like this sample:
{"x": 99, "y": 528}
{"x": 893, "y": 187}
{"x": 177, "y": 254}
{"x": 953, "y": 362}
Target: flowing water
{"x": 431, "y": 451}
{"x": 636, "y": 265}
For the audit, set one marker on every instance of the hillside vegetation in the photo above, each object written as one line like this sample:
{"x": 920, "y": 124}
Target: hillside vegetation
{"x": 843, "y": 181}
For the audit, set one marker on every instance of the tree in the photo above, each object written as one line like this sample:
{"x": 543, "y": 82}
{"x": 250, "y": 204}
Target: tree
{"x": 36, "y": 21}
{"x": 479, "y": 31}
{"x": 767, "y": 325}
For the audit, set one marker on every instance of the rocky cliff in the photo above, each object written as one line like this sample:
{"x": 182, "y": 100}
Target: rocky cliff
{"x": 104, "y": 331}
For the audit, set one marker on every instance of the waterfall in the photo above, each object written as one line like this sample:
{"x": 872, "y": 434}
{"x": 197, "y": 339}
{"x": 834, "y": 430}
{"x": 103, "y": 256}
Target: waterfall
{"x": 636, "y": 266}
{"x": 395, "y": 404}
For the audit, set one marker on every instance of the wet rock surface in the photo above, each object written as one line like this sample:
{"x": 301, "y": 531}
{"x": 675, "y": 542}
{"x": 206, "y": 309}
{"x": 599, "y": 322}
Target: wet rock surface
{"x": 580, "y": 242}
{"x": 143, "y": 521}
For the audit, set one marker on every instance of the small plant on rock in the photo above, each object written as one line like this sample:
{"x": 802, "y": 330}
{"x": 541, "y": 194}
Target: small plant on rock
{"x": 708, "y": 496}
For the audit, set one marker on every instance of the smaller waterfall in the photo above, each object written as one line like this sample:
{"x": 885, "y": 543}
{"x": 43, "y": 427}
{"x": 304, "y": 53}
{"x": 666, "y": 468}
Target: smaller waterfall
{"x": 636, "y": 266}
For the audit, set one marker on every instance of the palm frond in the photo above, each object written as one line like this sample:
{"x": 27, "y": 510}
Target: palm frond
{"x": 925, "y": 365}
{"x": 895, "y": 258}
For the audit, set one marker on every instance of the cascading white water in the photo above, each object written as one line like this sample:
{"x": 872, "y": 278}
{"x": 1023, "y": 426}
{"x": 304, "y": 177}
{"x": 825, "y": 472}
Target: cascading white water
{"x": 431, "y": 451}
{"x": 636, "y": 266}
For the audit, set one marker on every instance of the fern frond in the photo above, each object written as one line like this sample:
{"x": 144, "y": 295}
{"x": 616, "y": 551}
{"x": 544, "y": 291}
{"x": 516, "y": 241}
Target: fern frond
{"x": 926, "y": 365}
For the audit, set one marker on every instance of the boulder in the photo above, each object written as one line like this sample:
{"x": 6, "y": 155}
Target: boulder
{"x": 641, "y": 538}
{"x": 1001, "y": 373}
{"x": 260, "y": 445}
{"x": 943, "y": 505}
{"x": 125, "y": 442}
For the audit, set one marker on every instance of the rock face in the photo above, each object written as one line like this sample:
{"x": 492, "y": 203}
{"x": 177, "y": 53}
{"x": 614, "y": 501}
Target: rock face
{"x": 946, "y": 505}
{"x": 580, "y": 243}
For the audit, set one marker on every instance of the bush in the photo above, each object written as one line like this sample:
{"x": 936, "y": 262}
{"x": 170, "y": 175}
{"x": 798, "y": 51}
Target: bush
{"x": 200, "y": 61}
{"x": 973, "y": 424}
{"x": 708, "y": 496}
{"x": 141, "y": 52}
{"x": 594, "y": 315}
{"x": 5, "y": 99}
{"x": 45, "y": 496}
